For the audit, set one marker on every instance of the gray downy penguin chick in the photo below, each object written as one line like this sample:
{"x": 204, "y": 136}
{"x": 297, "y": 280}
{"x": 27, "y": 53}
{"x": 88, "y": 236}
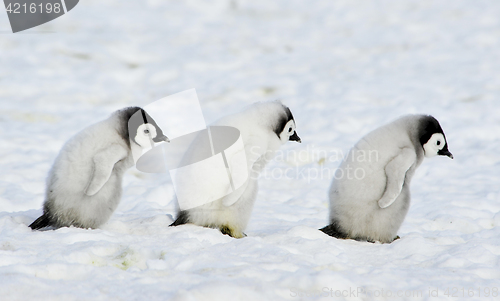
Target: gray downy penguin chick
{"x": 264, "y": 128}
{"x": 370, "y": 194}
{"x": 84, "y": 185}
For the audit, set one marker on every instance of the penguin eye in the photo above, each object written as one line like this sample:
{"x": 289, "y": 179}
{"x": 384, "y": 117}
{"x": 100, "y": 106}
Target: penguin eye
{"x": 439, "y": 142}
{"x": 146, "y": 131}
{"x": 290, "y": 130}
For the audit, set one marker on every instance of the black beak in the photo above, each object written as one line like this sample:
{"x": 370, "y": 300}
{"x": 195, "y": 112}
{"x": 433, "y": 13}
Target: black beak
{"x": 445, "y": 152}
{"x": 295, "y": 137}
{"x": 161, "y": 138}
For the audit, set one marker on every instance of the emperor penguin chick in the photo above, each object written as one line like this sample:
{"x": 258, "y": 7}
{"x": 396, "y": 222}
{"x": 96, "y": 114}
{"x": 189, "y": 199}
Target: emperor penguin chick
{"x": 264, "y": 127}
{"x": 370, "y": 194}
{"x": 84, "y": 185}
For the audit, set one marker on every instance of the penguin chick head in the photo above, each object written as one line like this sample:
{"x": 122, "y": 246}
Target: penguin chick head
{"x": 432, "y": 138}
{"x": 285, "y": 126}
{"x": 143, "y": 130}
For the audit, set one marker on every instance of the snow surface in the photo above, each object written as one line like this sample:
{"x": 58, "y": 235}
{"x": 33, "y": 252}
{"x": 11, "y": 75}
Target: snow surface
{"x": 344, "y": 68}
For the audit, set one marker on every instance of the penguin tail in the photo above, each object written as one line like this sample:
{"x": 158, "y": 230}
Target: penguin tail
{"x": 182, "y": 219}
{"x": 335, "y": 231}
{"x": 41, "y": 222}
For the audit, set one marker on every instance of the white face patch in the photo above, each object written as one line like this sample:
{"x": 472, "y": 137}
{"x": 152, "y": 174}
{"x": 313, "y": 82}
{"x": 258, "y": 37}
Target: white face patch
{"x": 288, "y": 131}
{"x": 145, "y": 135}
{"x": 434, "y": 145}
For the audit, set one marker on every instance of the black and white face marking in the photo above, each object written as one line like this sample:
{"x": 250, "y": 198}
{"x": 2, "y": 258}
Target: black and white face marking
{"x": 158, "y": 136}
{"x": 432, "y": 138}
{"x": 435, "y": 144}
{"x": 285, "y": 128}
{"x": 289, "y": 133}
{"x": 144, "y": 131}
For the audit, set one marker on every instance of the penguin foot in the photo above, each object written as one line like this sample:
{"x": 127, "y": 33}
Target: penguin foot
{"x": 226, "y": 230}
{"x": 396, "y": 238}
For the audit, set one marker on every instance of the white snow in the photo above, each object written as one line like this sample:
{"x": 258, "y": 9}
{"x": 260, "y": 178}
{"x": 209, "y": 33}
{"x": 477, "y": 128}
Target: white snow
{"x": 343, "y": 67}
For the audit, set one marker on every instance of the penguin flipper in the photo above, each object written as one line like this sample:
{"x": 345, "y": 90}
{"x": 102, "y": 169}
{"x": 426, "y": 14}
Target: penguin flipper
{"x": 240, "y": 176}
{"x": 103, "y": 164}
{"x": 41, "y": 222}
{"x": 395, "y": 172}
{"x": 234, "y": 196}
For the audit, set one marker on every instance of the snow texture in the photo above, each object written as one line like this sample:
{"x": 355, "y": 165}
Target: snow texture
{"x": 343, "y": 67}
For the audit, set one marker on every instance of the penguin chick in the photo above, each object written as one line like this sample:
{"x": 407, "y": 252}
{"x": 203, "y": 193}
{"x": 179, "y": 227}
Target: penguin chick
{"x": 264, "y": 127}
{"x": 84, "y": 185}
{"x": 370, "y": 194}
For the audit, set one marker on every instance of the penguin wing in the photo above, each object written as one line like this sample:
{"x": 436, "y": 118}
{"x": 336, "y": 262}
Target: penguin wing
{"x": 255, "y": 150}
{"x": 239, "y": 172}
{"x": 234, "y": 196}
{"x": 103, "y": 164}
{"x": 395, "y": 172}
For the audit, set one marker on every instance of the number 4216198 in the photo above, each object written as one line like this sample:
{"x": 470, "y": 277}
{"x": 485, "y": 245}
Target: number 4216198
{"x": 16, "y": 8}
{"x": 471, "y": 292}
